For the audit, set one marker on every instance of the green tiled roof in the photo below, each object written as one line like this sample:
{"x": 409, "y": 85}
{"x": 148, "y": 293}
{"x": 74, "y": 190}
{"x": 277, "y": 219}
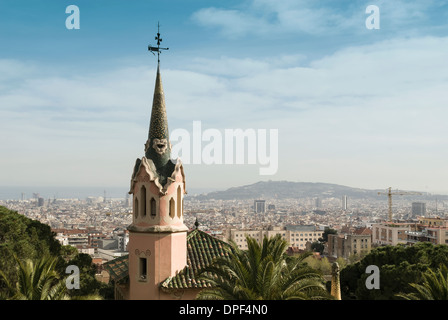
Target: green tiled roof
{"x": 202, "y": 249}
{"x": 118, "y": 268}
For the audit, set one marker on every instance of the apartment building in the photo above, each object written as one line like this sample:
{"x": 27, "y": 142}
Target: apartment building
{"x": 296, "y": 235}
{"x": 435, "y": 235}
{"x": 433, "y": 222}
{"x": 389, "y": 233}
{"x": 345, "y": 245}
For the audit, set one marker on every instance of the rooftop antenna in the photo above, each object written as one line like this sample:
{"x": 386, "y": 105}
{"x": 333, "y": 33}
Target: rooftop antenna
{"x": 158, "y": 48}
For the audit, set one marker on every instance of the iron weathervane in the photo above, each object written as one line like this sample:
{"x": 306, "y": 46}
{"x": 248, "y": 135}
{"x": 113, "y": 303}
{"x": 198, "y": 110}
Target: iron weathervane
{"x": 158, "y": 48}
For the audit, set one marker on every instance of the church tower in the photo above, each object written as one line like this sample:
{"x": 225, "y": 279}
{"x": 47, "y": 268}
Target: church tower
{"x": 157, "y": 235}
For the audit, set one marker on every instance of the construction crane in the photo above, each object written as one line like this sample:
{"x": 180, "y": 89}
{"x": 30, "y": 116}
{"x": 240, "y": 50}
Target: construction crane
{"x": 389, "y": 193}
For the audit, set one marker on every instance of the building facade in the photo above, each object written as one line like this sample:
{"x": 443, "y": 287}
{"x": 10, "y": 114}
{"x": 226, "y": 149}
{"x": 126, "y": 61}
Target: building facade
{"x": 259, "y": 206}
{"x": 433, "y": 221}
{"x": 163, "y": 255}
{"x": 418, "y": 208}
{"x": 390, "y": 233}
{"x": 345, "y": 245}
{"x": 296, "y": 236}
{"x": 429, "y": 229}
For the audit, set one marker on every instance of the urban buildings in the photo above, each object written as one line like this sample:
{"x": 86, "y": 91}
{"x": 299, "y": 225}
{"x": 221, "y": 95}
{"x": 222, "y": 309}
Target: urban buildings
{"x": 344, "y": 203}
{"x": 345, "y": 245}
{"x": 433, "y": 221}
{"x": 428, "y": 229}
{"x": 259, "y": 206}
{"x": 390, "y": 233}
{"x": 418, "y": 208}
{"x": 296, "y": 235}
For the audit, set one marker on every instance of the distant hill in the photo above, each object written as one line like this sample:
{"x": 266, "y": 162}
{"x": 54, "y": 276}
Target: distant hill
{"x": 291, "y": 190}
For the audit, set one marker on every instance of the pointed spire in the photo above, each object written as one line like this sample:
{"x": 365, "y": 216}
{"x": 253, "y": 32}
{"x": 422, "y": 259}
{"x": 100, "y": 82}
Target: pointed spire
{"x": 158, "y": 146}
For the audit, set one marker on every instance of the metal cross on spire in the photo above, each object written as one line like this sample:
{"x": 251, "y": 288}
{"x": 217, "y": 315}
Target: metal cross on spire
{"x": 158, "y": 48}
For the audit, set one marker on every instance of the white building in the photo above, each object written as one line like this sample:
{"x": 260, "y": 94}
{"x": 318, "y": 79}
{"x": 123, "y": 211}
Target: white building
{"x": 295, "y": 235}
{"x": 389, "y": 233}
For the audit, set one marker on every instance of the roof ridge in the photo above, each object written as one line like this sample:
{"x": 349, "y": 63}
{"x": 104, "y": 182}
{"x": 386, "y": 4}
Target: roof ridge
{"x": 192, "y": 233}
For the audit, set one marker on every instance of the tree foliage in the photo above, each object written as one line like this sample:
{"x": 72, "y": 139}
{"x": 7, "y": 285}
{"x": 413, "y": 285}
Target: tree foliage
{"x": 319, "y": 246}
{"x": 25, "y": 238}
{"x": 263, "y": 272}
{"x": 325, "y": 234}
{"x": 399, "y": 266}
{"x": 433, "y": 287}
{"x": 38, "y": 280}
{"x": 24, "y": 243}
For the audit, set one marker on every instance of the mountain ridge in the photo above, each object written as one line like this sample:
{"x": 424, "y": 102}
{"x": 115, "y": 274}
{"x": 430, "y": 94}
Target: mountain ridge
{"x": 289, "y": 190}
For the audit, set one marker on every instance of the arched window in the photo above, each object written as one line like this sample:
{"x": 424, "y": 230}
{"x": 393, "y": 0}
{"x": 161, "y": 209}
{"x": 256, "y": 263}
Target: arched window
{"x": 179, "y": 202}
{"x": 136, "y": 208}
{"x": 153, "y": 207}
{"x": 172, "y": 208}
{"x": 143, "y": 200}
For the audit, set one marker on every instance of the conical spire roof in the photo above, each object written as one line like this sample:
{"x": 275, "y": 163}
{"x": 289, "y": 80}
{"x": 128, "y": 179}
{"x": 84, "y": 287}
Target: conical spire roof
{"x": 158, "y": 147}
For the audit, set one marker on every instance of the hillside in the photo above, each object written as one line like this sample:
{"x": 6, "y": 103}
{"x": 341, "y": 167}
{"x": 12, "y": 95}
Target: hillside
{"x": 290, "y": 190}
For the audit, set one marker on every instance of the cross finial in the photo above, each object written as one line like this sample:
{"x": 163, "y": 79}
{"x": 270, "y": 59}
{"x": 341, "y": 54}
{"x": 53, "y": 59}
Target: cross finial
{"x": 158, "y": 48}
{"x": 158, "y": 34}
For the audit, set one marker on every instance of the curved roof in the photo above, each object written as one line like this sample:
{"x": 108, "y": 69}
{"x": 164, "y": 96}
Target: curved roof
{"x": 202, "y": 249}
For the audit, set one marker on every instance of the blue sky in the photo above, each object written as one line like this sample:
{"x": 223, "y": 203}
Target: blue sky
{"x": 352, "y": 106}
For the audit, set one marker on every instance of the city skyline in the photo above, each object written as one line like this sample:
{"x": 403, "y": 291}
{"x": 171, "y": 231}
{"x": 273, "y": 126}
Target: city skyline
{"x": 353, "y": 106}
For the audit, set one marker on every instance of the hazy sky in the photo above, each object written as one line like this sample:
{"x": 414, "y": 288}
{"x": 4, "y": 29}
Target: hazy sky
{"x": 353, "y": 106}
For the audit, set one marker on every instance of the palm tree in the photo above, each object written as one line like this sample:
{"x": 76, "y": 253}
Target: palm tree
{"x": 262, "y": 272}
{"x": 38, "y": 280}
{"x": 434, "y": 287}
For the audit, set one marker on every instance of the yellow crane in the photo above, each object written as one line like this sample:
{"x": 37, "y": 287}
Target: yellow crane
{"x": 389, "y": 193}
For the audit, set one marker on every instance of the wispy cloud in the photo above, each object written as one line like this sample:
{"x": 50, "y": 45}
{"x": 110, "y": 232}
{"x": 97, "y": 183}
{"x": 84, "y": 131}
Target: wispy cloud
{"x": 323, "y": 18}
{"x": 368, "y": 108}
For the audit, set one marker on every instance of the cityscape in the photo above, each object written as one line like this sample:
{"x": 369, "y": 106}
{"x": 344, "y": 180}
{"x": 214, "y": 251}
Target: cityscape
{"x": 97, "y": 225}
{"x": 273, "y": 151}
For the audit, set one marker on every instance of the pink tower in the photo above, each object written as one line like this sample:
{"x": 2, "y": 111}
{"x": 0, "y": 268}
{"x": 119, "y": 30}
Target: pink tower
{"x": 157, "y": 236}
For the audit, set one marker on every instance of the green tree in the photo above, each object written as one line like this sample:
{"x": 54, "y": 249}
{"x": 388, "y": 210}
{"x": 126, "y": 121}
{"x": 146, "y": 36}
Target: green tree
{"x": 342, "y": 262}
{"x": 88, "y": 283}
{"x": 434, "y": 286}
{"x": 399, "y": 266}
{"x": 68, "y": 252}
{"x": 38, "y": 280}
{"x": 327, "y": 231}
{"x": 263, "y": 272}
{"x": 26, "y": 240}
{"x": 318, "y": 246}
{"x": 323, "y": 265}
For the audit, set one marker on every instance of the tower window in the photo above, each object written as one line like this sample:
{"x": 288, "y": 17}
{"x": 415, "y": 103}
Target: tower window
{"x": 143, "y": 200}
{"x": 172, "y": 208}
{"x": 136, "y": 207}
{"x": 179, "y": 201}
{"x": 153, "y": 207}
{"x": 143, "y": 269}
